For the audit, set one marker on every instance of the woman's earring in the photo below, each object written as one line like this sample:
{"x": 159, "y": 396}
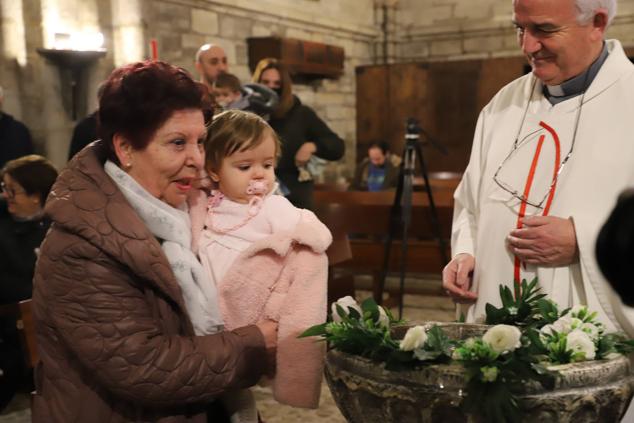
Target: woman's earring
{"x": 128, "y": 165}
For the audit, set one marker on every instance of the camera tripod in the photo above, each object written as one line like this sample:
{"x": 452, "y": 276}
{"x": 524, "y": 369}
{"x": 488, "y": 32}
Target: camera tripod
{"x": 401, "y": 210}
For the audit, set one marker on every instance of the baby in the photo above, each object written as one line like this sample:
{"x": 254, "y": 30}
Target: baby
{"x": 228, "y": 92}
{"x": 266, "y": 257}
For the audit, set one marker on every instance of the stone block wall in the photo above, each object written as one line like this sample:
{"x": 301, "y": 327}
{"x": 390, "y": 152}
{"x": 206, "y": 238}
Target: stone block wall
{"x": 416, "y": 30}
{"x": 464, "y": 29}
{"x": 180, "y": 28}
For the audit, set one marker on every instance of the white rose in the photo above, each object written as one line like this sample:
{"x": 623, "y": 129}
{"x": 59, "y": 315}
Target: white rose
{"x": 579, "y": 341}
{"x": 503, "y": 338}
{"x": 567, "y": 324}
{"x": 414, "y": 338}
{"x": 383, "y": 319}
{"x": 591, "y": 329}
{"x": 345, "y": 303}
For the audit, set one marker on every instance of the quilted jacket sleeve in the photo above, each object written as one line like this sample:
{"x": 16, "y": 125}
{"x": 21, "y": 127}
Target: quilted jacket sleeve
{"x": 114, "y": 327}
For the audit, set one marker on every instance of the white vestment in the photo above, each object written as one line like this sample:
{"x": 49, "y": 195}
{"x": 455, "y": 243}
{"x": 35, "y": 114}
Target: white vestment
{"x": 601, "y": 165}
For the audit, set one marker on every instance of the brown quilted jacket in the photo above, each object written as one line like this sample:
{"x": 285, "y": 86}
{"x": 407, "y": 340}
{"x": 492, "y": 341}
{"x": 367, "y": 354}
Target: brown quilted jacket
{"x": 114, "y": 341}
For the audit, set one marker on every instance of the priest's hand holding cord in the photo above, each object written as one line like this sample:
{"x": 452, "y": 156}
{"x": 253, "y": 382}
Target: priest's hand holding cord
{"x": 545, "y": 241}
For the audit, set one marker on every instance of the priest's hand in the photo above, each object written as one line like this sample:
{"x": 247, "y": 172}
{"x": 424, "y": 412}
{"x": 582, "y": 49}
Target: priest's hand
{"x": 545, "y": 241}
{"x": 457, "y": 277}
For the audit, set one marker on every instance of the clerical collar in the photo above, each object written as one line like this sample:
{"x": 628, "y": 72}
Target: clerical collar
{"x": 577, "y": 85}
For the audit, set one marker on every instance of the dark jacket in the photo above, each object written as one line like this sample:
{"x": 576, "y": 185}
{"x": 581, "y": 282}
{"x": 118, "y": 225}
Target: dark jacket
{"x": 84, "y": 133}
{"x": 300, "y": 125}
{"x": 18, "y": 241}
{"x": 615, "y": 247}
{"x": 392, "y": 169}
{"x": 15, "y": 139}
{"x": 113, "y": 335}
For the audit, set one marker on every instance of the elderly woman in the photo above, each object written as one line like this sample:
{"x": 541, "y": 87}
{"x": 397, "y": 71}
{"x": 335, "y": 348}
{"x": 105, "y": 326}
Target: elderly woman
{"x": 302, "y": 133}
{"x": 127, "y": 324}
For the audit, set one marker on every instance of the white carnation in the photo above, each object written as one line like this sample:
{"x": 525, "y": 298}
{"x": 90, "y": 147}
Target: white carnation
{"x": 579, "y": 341}
{"x": 503, "y": 338}
{"x": 414, "y": 338}
{"x": 345, "y": 303}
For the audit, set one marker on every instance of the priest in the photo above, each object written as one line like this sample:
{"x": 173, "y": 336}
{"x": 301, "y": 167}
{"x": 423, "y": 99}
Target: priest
{"x": 551, "y": 152}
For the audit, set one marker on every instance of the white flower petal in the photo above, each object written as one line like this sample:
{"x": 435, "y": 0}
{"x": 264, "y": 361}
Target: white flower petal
{"x": 503, "y": 338}
{"x": 414, "y": 338}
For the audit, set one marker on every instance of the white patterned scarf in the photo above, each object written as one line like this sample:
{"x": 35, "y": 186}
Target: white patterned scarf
{"x": 173, "y": 227}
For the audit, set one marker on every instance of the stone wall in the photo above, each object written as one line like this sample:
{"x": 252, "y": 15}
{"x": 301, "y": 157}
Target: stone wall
{"x": 34, "y": 91}
{"x": 416, "y": 30}
{"x": 181, "y": 27}
{"x": 463, "y": 29}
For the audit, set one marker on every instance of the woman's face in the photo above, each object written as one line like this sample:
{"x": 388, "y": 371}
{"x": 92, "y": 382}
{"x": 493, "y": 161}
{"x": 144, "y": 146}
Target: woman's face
{"x": 19, "y": 203}
{"x": 272, "y": 79}
{"x": 171, "y": 162}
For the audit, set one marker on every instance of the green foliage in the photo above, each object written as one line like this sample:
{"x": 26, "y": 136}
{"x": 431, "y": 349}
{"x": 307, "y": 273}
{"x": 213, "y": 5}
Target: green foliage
{"x": 520, "y": 310}
{"x": 492, "y": 378}
{"x": 614, "y": 343}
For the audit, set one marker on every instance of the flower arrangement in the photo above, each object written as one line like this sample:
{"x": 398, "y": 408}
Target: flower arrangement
{"x": 528, "y": 335}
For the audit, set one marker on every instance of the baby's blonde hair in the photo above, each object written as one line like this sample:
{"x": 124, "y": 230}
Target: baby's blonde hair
{"x": 233, "y": 131}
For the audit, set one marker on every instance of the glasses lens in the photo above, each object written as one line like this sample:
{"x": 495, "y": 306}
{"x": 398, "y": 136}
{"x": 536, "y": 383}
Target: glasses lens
{"x": 529, "y": 171}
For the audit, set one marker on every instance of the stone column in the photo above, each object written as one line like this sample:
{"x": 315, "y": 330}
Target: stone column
{"x": 128, "y": 33}
{"x": 13, "y": 55}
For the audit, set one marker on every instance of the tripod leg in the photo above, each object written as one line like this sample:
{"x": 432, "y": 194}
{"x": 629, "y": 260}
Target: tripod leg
{"x": 406, "y": 219}
{"x": 395, "y": 215}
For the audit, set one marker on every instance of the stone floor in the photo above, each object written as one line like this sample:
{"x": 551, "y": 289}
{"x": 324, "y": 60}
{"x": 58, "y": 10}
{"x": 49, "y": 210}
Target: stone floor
{"x": 429, "y": 306}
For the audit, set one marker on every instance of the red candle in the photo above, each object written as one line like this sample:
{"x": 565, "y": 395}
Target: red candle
{"x": 154, "y": 48}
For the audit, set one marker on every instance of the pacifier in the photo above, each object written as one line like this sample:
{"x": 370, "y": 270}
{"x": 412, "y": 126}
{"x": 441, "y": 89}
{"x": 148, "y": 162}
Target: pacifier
{"x": 257, "y": 187}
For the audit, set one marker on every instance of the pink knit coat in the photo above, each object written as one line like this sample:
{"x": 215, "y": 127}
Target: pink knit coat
{"x": 284, "y": 278}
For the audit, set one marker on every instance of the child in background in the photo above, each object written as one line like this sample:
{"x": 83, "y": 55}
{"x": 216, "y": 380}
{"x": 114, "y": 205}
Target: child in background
{"x": 266, "y": 256}
{"x": 228, "y": 92}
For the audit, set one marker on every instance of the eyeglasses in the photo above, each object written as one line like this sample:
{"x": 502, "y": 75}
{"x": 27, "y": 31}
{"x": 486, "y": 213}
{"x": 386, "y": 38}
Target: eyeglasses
{"x": 537, "y": 202}
{"x": 10, "y": 192}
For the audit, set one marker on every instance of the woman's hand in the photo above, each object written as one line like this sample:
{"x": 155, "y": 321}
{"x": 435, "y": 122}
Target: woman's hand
{"x": 304, "y": 153}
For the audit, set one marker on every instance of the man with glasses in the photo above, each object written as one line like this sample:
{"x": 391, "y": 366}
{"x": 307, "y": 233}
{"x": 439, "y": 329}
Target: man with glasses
{"x": 551, "y": 152}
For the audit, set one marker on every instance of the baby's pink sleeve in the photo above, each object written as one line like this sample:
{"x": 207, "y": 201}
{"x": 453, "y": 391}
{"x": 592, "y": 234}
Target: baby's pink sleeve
{"x": 282, "y": 215}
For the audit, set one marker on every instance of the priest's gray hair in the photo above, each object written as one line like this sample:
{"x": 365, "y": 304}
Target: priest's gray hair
{"x": 587, "y": 8}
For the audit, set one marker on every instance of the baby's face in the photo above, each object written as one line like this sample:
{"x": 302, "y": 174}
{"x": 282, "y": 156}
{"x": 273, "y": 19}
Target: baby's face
{"x": 225, "y": 96}
{"x": 242, "y": 169}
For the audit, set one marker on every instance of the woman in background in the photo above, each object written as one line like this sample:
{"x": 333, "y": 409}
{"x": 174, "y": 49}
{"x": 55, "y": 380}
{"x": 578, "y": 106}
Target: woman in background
{"x": 26, "y": 183}
{"x": 302, "y": 133}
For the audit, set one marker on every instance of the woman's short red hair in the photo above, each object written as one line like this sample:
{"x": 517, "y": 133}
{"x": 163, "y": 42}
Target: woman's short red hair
{"x": 137, "y": 99}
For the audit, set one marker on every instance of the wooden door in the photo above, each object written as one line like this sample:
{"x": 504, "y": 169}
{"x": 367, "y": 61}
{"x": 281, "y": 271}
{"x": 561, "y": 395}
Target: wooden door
{"x": 445, "y": 97}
